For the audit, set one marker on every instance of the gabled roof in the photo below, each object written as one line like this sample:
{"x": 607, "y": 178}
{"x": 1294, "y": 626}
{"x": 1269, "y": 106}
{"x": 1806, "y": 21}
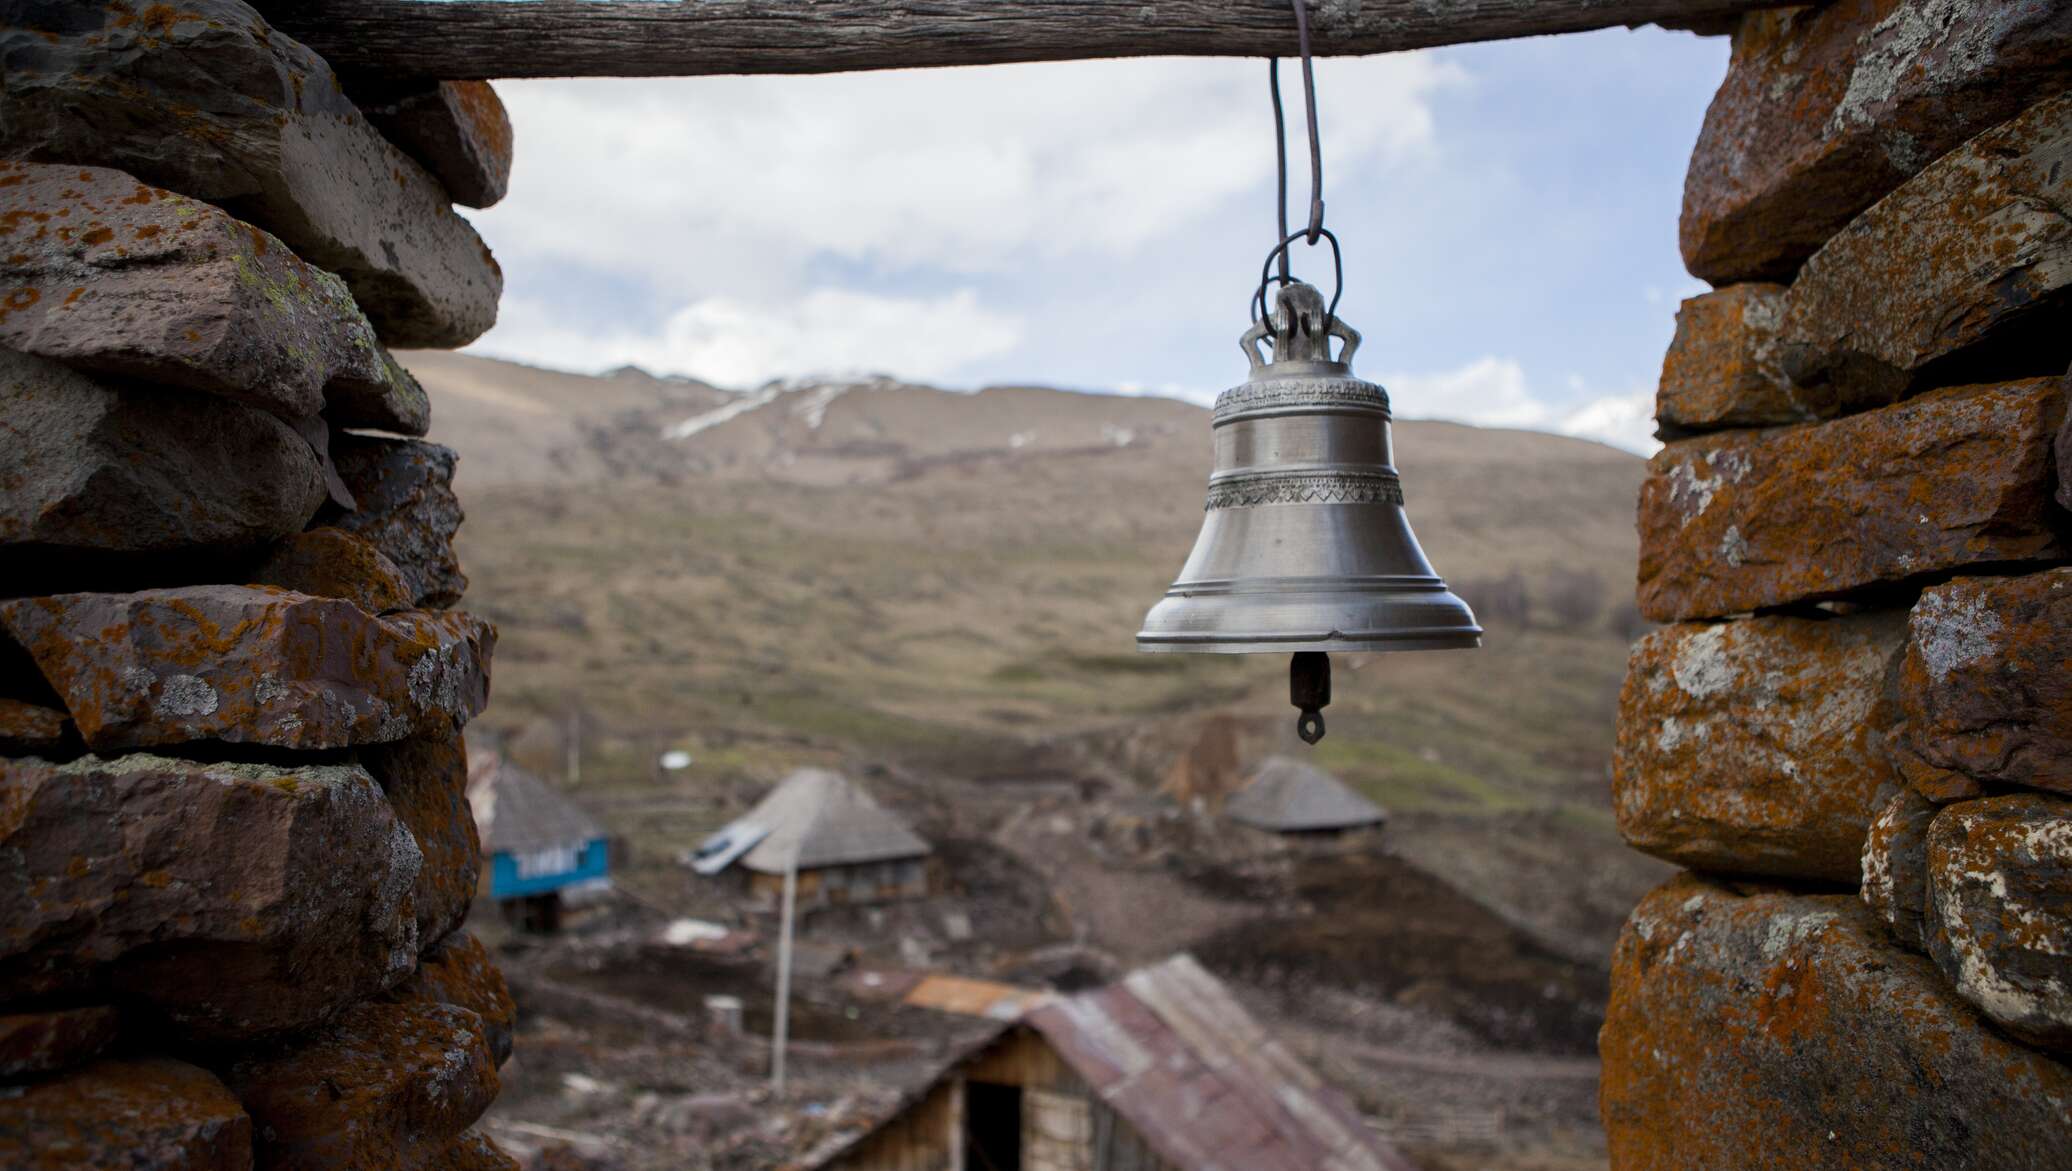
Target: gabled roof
{"x": 518, "y": 813}
{"x": 824, "y": 819}
{"x": 1289, "y": 795}
{"x": 1172, "y": 1052}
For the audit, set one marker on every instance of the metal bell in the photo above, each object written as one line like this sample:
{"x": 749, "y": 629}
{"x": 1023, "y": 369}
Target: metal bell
{"x": 1305, "y": 546}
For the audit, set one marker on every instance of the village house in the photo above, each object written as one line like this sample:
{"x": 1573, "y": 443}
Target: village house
{"x": 543, "y": 850}
{"x": 1163, "y": 1071}
{"x": 1296, "y": 798}
{"x": 845, "y": 847}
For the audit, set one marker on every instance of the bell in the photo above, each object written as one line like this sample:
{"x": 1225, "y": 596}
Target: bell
{"x": 1305, "y": 546}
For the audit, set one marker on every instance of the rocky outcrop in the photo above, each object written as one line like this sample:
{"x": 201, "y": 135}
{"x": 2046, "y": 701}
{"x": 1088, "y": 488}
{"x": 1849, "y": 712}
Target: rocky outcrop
{"x": 426, "y": 779}
{"x": 1826, "y": 109}
{"x": 2000, "y": 910}
{"x": 389, "y": 1085}
{"x": 328, "y": 562}
{"x": 407, "y": 508}
{"x": 1756, "y": 747}
{"x": 251, "y": 665}
{"x": 90, "y": 468}
{"x": 458, "y": 130}
{"x": 206, "y": 99}
{"x": 37, "y": 1043}
{"x": 153, "y": 1113}
{"x": 1987, "y": 684}
{"x": 1895, "y": 867}
{"x": 1765, "y": 1030}
{"x": 1741, "y": 521}
{"x": 459, "y": 972}
{"x": 114, "y": 277}
{"x": 1974, "y": 249}
{"x": 1724, "y": 367}
{"x": 114, "y": 874}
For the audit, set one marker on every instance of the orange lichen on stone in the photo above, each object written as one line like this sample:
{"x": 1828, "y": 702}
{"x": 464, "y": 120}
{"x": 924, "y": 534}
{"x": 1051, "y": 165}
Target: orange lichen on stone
{"x": 1768, "y": 1031}
{"x": 1757, "y": 746}
{"x": 1736, "y": 522}
{"x": 1987, "y": 681}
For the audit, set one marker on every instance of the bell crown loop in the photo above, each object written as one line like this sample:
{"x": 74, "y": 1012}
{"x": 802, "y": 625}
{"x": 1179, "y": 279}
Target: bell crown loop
{"x": 1300, "y": 330}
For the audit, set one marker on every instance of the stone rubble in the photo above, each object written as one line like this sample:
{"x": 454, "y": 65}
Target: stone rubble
{"x": 150, "y": 1112}
{"x": 406, "y": 507}
{"x": 458, "y": 130}
{"x": 35, "y": 1043}
{"x": 1999, "y": 919}
{"x": 1724, "y": 367}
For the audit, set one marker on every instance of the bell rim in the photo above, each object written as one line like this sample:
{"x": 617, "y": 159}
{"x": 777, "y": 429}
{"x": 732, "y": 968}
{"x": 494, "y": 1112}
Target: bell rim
{"x": 1436, "y": 638}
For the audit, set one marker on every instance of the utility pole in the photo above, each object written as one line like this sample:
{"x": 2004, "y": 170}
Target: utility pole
{"x": 575, "y": 746}
{"x": 782, "y": 1030}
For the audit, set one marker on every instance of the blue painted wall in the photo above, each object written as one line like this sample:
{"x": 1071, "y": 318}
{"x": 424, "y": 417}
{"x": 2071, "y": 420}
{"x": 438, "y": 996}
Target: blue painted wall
{"x": 505, "y": 882}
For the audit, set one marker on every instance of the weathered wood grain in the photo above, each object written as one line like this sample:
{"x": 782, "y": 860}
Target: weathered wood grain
{"x": 419, "y": 40}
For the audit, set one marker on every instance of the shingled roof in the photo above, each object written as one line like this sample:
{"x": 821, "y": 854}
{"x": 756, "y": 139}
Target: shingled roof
{"x": 1290, "y": 796}
{"x": 518, "y": 813}
{"x": 826, "y": 820}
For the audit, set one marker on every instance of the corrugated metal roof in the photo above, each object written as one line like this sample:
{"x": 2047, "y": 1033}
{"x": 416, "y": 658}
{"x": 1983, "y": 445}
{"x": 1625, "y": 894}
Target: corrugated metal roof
{"x": 518, "y": 813}
{"x": 1172, "y": 1052}
{"x": 1290, "y": 795}
{"x": 825, "y": 819}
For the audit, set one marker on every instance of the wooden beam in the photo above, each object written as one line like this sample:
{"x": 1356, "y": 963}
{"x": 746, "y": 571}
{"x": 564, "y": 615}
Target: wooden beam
{"x": 454, "y": 40}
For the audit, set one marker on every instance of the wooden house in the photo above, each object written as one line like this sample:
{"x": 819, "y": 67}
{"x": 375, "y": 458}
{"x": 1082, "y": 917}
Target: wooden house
{"x": 1163, "y": 1071}
{"x": 847, "y": 848}
{"x": 542, "y": 848}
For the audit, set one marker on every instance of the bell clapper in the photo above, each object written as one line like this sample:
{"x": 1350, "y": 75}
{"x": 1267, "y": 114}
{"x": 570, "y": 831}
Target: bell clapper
{"x": 1309, "y": 688}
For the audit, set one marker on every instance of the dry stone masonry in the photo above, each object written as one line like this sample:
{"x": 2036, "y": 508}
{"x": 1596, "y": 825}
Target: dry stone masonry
{"x": 1856, "y": 730}
{"x": 235, "y": 848}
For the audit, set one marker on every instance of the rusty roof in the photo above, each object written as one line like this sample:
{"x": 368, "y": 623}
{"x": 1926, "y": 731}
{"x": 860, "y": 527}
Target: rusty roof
{"x": 1171, "y": 1051}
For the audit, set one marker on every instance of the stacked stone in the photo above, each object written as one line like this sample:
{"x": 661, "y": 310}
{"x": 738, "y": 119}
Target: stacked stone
{"x": 1856, "y": 729}
{"x": 235, "y": 849}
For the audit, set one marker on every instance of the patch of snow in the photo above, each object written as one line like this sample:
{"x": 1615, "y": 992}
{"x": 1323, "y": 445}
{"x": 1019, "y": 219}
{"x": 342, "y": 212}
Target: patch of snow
{"x": 685, "y": 428}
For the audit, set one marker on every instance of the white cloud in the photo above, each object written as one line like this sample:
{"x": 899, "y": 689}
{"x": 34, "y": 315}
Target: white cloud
{"x": 1494, "y": 392}
{"x": 733, "y": 342}
{"x": 700, "y": 184}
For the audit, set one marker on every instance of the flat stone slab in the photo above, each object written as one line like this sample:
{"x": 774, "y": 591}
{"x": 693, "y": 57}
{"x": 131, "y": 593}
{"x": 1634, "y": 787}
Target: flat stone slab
{"x": 458, "y": 130}
{"x": 229, "y": 900}
{"x": 390, "y": 1084}
{"x": 2000, "y": 910}
{"x": 1826, "y": 110}
{"x": 1769, "y": 1031}
{"x": 1974, "y": 251}
{"x": 146, "y": 1112}
{"x": 1756, "y": 746}
{"x": 251, "y": 665}
{"x": 1987, "y": 682}
{"x": 1735, "y": 522}
{"x": 326, "y": 562}
{"x": 407, "y": 509}
{"x": 426, "y": 779}
{"x": 30, "y": 728}
{"x": 36, "y": 1043}
{"x": 95, "y": 469}
{"x": 210, "y": 101}
{"x": 108, "y": 275}
{"x": 1724, "y": 367}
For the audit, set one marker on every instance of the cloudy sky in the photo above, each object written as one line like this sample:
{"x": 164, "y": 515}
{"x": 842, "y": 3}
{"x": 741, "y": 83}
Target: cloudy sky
{"x": 1508, "y": 211}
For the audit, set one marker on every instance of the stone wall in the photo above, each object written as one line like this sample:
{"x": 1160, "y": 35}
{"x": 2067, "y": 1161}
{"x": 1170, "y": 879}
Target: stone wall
{"x": 1855, "y": 727}
{"x": 235, "y": 852}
